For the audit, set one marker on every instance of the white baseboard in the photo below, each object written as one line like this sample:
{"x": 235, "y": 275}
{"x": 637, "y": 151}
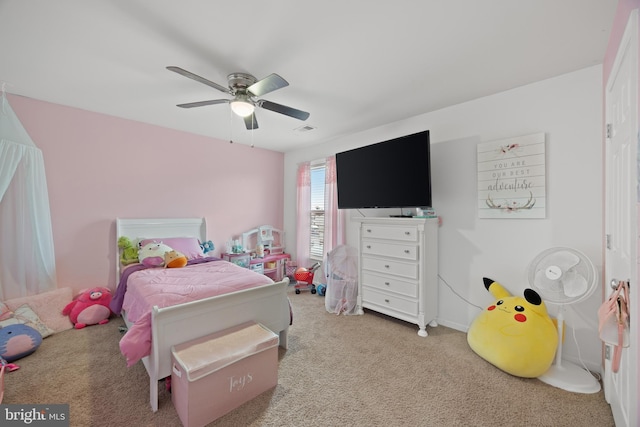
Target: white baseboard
{"x": 453, "y": 325}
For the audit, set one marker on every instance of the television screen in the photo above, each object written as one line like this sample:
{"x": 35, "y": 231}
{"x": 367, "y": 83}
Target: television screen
{"x": 390, "y": 174}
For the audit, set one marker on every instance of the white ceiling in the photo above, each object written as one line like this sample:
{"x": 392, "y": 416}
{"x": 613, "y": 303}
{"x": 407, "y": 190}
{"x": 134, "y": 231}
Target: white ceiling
{"x": 352, "y": 64}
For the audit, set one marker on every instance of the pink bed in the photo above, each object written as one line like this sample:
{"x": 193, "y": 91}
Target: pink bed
{"x": 166, "y": 307}
{"x": 165, "y": 287}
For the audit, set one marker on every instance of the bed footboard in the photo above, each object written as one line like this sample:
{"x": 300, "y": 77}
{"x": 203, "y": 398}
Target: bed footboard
{"x": 173, "y": 325}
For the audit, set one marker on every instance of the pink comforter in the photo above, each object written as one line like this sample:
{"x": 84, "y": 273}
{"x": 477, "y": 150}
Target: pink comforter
{"x": 164, "y": 287}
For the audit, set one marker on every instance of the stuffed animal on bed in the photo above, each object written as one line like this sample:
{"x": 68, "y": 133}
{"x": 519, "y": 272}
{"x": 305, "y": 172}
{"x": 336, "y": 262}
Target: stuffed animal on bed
{"x": 17, "y": 341}
{"x": 174, "y": 259}
{"x": 207, "y": 247}
{"x": 152, "y": 254}
{"x": 128, "y": 252}
{"x": 91, "y": 307}
{"x": 514, "y": 334}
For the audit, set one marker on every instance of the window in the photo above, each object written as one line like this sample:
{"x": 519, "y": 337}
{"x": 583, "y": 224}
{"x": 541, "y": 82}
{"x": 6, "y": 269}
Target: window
{"x": 316, "y": 242}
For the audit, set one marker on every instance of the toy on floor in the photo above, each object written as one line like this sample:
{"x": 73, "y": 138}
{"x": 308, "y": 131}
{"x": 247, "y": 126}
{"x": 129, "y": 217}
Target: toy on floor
{"x": 304, "y": 278}
{"x": 91, "y": 307}
{"x": 514, "y": 334}
{"x": 9, "y": 367}
{"x": 17, "y": 341}
{"x": 5, "y": 367}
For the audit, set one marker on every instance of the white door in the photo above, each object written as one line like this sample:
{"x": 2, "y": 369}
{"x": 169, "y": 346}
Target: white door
{"x": 621, "y": 216}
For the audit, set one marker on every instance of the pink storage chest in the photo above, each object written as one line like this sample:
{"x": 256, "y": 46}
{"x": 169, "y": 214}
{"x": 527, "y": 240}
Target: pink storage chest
{"x": 217, "y": 373}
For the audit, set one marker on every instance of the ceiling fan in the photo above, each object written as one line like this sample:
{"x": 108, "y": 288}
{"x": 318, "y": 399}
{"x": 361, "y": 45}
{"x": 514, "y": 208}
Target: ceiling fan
{"x": 245, "y": 89}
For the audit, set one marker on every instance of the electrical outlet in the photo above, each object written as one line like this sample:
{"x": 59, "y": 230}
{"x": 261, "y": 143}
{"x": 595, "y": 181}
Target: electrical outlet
{"x": 607, "y": 352}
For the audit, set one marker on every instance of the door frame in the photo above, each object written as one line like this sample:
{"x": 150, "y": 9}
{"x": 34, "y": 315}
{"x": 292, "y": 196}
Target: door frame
{"x": 630, "y": 37}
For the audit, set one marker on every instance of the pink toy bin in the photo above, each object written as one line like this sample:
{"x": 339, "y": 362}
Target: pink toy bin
{"x": 215, "y": 374}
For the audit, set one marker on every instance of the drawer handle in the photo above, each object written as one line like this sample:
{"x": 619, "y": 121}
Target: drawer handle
{"x": 387, "y": 283}
{"x": 408, "y": 233}
{"x": 368, "y": 246}
{"x": 386, "y": 266}
{"x": 406, "y": 251}
{"x": 368, "y": 230}
{"x": 387, "y": 301}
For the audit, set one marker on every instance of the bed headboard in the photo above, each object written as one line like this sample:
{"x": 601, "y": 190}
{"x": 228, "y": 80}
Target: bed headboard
{"x": 135, "y": 228}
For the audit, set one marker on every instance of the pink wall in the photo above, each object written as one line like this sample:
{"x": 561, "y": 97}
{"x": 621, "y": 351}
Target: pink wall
{"x": 619, "y": 24}
{"x": 100, "y": 167}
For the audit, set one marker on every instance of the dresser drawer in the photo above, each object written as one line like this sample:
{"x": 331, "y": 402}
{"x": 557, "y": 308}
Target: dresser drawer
{"x": 409, "y": 234}
{"x": 387, "y": 301}
{"x": 391, "y": 284}
{"x": 399, "y": 268}
{"x": 404, "y": 251}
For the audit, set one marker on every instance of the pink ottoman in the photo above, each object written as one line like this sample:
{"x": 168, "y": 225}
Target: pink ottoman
{"x": 217, "y": 373}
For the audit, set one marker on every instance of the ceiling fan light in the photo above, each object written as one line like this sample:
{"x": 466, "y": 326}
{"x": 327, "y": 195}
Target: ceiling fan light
{"x": 242, "y": 107}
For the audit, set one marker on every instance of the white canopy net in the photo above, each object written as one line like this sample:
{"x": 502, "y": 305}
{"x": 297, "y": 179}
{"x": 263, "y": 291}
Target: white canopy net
{"x": 27, "y": 259}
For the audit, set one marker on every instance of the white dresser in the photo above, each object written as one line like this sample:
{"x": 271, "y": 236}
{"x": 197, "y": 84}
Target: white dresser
{"x": 398, "y": 266}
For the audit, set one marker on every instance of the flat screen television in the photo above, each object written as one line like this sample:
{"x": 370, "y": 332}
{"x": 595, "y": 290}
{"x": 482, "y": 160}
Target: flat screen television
{"x": 390, "y": 174}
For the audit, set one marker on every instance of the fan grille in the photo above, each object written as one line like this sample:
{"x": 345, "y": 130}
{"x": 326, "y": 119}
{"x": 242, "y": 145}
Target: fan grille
{"x": 562, "y": 275}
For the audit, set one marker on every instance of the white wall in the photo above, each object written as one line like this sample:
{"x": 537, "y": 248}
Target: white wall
{"x": 568, "y": 109}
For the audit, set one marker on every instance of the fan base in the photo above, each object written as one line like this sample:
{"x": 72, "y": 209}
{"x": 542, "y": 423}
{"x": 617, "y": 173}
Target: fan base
{"x": 571, "y": 377}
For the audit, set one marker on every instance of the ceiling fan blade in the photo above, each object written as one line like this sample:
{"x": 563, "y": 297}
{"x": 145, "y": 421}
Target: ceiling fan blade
{"x": 198, "y": 78}
{"x": 203, "y": 103}
{"x": 268, "y": 84}
{"x": 283, "y": 109}
{"x": 250, "y": 122}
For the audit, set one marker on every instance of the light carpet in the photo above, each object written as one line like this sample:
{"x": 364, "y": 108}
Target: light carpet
{"x": 369, "y": 370}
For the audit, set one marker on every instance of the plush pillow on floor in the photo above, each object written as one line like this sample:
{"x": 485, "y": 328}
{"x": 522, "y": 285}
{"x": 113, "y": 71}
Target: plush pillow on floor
{"x": 17, "y": 341}
{"x": 514, "y": 334}
{"x": 48, "y": 306}
{"x": 23, "y": 315}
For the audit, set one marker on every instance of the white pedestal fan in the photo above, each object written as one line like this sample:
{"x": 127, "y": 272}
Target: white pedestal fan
{"x": 564, "y": 276}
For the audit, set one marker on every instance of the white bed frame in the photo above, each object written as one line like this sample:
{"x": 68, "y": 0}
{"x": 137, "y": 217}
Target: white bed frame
{"x": 173, "y": 325}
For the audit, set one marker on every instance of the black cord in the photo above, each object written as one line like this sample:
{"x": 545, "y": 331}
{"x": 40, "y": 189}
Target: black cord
{"x": 459, "y": 296}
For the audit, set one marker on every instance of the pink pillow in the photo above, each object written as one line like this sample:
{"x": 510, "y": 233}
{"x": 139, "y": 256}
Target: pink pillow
{"x": 188, "y": 246}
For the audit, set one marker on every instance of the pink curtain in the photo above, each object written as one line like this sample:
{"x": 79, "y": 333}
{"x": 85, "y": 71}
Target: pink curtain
{"x": 334, "y": 219}
{"x": 303, "y": 214}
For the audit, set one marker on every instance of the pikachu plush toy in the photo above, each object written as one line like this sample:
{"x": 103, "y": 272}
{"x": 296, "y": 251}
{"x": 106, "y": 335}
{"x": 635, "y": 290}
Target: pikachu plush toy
{"x": 514, "y": 334}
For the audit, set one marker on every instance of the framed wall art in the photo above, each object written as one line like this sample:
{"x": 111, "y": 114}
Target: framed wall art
{"x": 511, "y": 178}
